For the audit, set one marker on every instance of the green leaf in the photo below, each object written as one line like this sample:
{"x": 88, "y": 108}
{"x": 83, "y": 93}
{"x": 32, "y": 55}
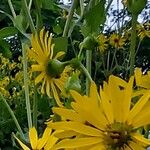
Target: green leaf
{"x": 7, "y": 31}
{"x": 20, "y": 22}
{"x": 61, "y": 44}
{"x": 5, "y": 49}
{"x": 94, "y": 18}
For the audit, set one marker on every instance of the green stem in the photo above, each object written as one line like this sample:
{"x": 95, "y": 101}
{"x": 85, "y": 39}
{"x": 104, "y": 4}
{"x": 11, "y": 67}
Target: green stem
{"x": 12, "y": 8}
{"x": 26, "y": 81}
{"x": 39, "y": 22}
{"x": 133, "y": 44}
{"x": 35, "y": 107}
{"x": 29, "y": 18}
{"x": 86, "y": 72}
{"x": 12, "y": 115}
{"x": 70, "y": 15}
{"x": 88, "y": 67}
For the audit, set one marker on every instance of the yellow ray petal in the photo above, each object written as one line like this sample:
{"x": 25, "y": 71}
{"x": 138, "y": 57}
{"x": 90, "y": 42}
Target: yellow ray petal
{"x": 21, "y": 144}
{"x": 138, "y": 138}
{"x": 42, "y": 141}
{"x": 51, "y": 142}
{"x": 77, "y": 127}
{"x": 56, "y": 95}
{"x": 68, "y": 114}
{"x": 135, "y": 146}
{"x": 127, "y": 99}
{"x": 48, "y": 88}
{"x": 78, "y": 142}
{"x": 66, "y": 134}
{"x": 40, "y": 77}
{"x": 138, "y": 107}
{"x": 142, "y": 118}
{"x": 33, "y": 137}
{"x": 38, "y": 68}
{"x": 59, "y": 54}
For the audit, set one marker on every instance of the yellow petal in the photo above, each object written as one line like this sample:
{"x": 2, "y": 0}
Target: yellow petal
{"x": 127, "y": 99}
{"x": 77, "y": 142}
{"x": 68, "y": 114}
{"x": 138, "y": 107}
{"x": 107, "y": 107}
{"x": 51, "y": 142}
{"x": 75, "y": 126}
{"x": 55, "y": 93}
{"x": 33, "y": 137}
{"x": 135, "y": 146}
{"x": 21, "y": 144}
{"x": 66, "y": 134}
{"x": 138, "y": 138}
{"x": 40, "y": 77}
{"x": 43, "y": 140}
{"x": 38, "y": 68}
{"x": 59, "y": 54}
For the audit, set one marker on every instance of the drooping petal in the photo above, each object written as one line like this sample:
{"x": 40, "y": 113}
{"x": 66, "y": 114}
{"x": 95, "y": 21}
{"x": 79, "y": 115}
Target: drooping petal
{"x": 39, "y": 77}
{"x": 21, "y": 144}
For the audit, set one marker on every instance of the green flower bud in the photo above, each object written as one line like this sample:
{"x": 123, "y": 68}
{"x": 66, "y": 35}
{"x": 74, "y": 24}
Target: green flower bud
{"x": 55, "y": 68}
{"x": 89, "y": 43}
{"x": 136, "y": 6}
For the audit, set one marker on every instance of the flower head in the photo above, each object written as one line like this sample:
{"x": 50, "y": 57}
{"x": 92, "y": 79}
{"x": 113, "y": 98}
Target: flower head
{"x": 46, "y": 142}
{"x": 102, "y": 39}
{"x": 143, "y": 30}
{"x": 117, "y": 41}
{"x": 53, "y": 73}
{"x": 105, "y": 120}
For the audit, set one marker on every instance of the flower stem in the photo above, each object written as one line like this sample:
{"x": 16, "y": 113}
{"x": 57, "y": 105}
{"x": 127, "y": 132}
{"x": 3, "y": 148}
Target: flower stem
{"x": 35, "y": 107}
{"x": 27, "y": 12}
{"x": 26, "y": 80}
{"x": 70, "y": 15}
{"x": 88, "y": 67}
{"x": 86, "y": 72}
{"x": 12, "y": 8}
{"x": 133, "y": 44}
{"x": 12, "y": 115}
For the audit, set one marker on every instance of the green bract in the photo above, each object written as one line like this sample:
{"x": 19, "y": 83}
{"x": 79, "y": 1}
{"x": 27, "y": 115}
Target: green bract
{"x": 55, "y": 68}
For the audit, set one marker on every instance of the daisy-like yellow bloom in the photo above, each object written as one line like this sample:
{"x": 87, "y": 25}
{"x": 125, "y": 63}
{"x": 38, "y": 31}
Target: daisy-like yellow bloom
{"x": 117, "y": 41}
{"x": 105, "y": 120}
{"x": 53, "y": 73}
{"x": 46, "y": 142}
{"x": 143, "y": 30}
{"x": 102, "y": 42}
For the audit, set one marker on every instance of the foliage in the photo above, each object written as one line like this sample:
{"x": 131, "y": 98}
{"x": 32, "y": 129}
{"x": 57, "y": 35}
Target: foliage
{"x": 48, "y": 49}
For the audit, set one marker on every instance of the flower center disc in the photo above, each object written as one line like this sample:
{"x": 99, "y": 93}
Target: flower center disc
{"x": 117, "y": 136}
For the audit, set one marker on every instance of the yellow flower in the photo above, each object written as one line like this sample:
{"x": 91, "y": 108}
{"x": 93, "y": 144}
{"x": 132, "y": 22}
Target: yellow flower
{"x": 46, "y": 142}
{"x": 102, "y": 39}
{"x": 104, "y": 121}
{"x": 117, "y": 41}
{"x": 53, "y": 74}
{"x": 143, "y": 30}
